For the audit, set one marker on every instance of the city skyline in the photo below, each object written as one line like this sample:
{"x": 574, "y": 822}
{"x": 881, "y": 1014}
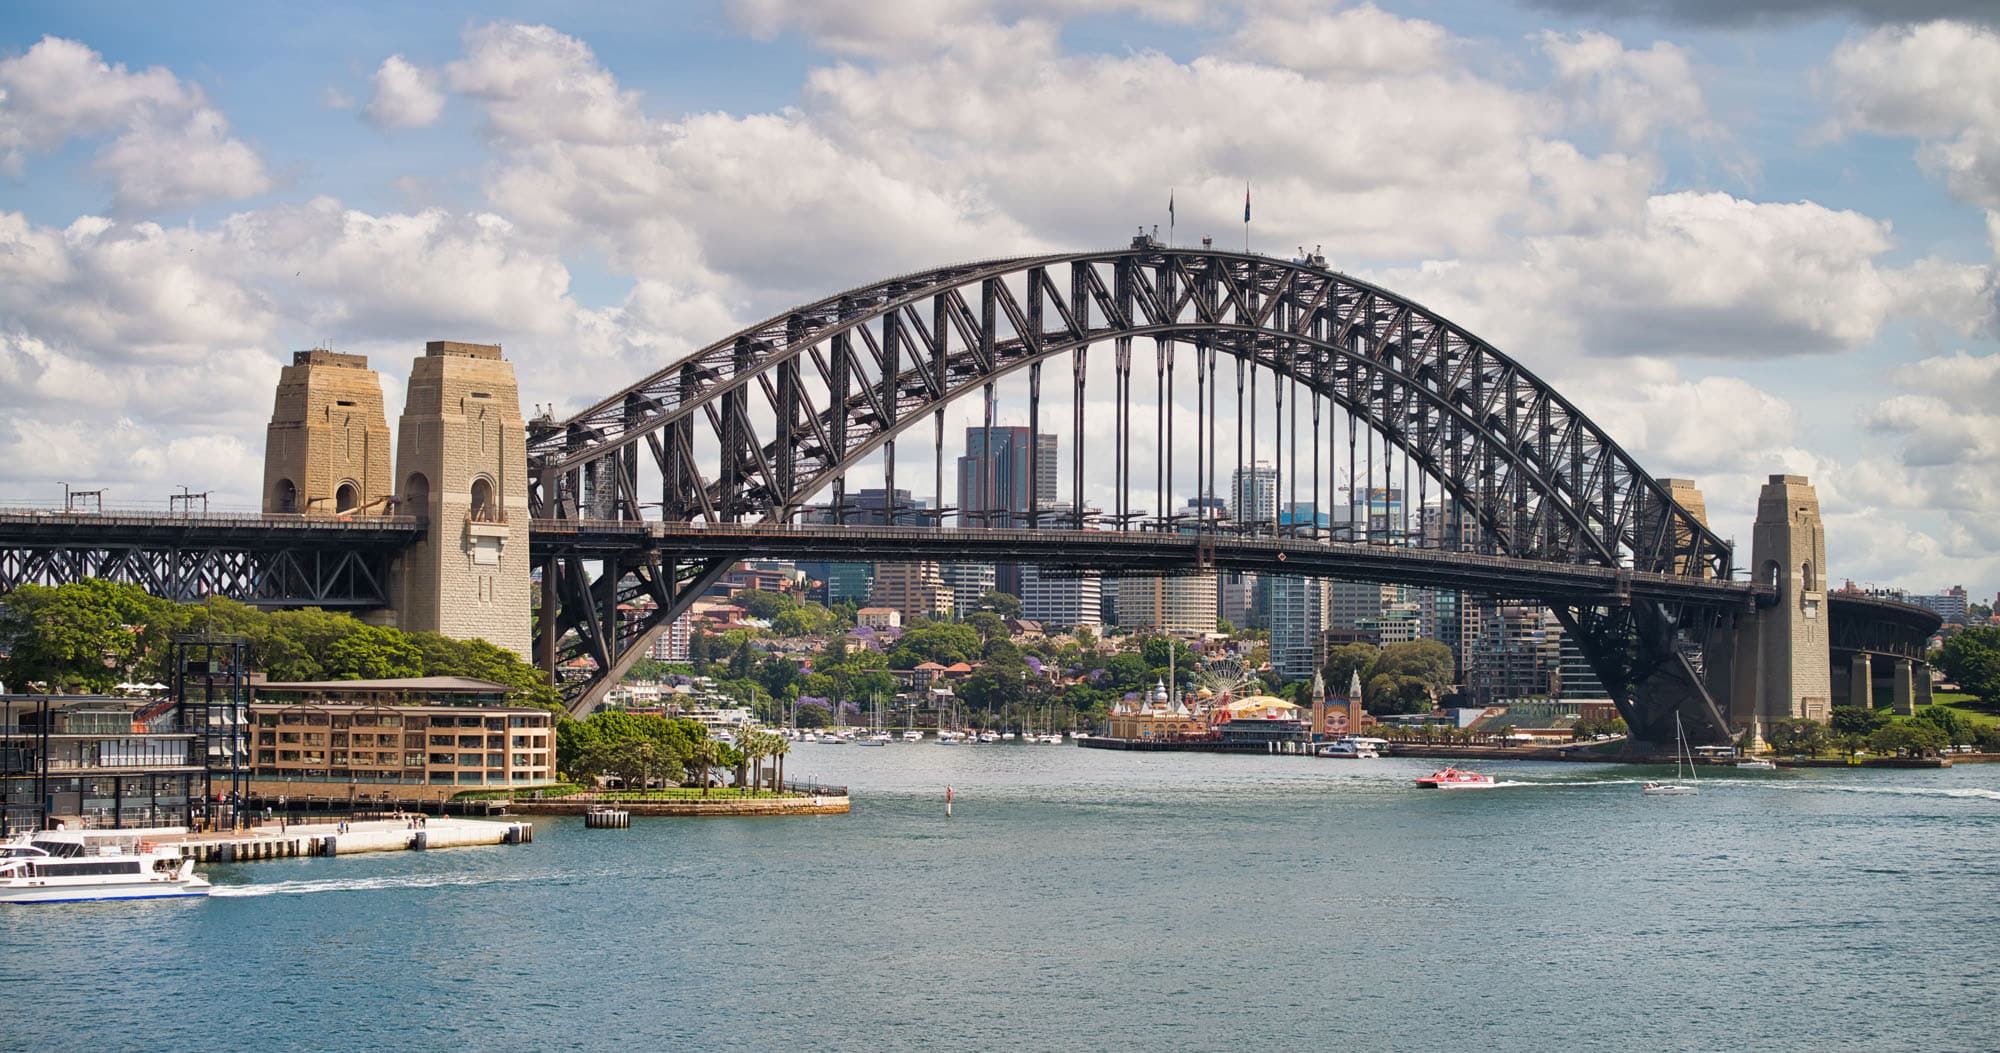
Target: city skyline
{"x": 196, "y": 197}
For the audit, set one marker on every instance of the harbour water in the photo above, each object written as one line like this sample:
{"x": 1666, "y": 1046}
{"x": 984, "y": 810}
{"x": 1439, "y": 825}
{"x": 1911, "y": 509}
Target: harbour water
{"x": 1093, "y": 900}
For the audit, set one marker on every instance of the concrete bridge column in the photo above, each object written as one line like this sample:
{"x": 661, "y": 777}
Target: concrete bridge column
{"x": 1861, "y": 682}
{"x": 1902, "y": 688}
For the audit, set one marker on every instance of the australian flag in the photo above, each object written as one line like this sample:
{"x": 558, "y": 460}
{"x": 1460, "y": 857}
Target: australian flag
{"x": 1246, "y": 202}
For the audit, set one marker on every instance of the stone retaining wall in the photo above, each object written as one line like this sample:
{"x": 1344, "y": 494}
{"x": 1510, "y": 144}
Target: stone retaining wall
{"x": 823, "y": 805}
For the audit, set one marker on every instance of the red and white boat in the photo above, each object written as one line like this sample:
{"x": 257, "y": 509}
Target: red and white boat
{"x": 1454, "y": 779}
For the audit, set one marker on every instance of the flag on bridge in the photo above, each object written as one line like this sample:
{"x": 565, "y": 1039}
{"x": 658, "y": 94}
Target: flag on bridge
{"x": 1246, "y": 202}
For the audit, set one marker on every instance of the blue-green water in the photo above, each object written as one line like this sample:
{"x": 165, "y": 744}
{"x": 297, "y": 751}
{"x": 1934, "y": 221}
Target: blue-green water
{"x": 1083, "y": 899}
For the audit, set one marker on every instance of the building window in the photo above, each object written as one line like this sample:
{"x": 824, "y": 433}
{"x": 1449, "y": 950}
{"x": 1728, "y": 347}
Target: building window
{"x": 483, "y": 508}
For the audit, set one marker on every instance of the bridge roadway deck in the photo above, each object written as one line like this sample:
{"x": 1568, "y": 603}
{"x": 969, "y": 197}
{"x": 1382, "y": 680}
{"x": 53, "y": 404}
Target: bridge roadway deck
{"x": 1135, "y": 551}
{"x": 37, "y": 527}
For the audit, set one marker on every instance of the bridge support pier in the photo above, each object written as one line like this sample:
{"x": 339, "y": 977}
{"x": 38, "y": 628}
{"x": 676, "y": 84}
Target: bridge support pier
{"x": 461, "y": 460}
{"x": 1784, "y": 651}
{"x": 1902, "y": 688}
{"x": 1861, "y": 682}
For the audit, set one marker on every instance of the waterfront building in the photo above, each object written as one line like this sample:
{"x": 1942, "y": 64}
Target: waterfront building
{"x": 1259, "y": 721}
{"x": 419, "y": 736}
{"x": 1158, "y": 717}
{"x": 106, "y": 761}
{"x": 1063, "y": 599}
{"x": 915, "y": 589}
{"x": 1183, "y": 605}
{"x": 1398, "y": 623}
{"x": 97, "y": 761}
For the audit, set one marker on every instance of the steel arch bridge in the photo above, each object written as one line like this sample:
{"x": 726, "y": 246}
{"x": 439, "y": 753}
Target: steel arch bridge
{"x": 752, "y": 427}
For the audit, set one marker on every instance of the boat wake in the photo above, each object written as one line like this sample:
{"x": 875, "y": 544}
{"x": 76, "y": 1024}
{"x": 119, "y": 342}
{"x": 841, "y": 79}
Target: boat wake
{"x": 1963, "y": 793}
{"x": 413, "y": 881}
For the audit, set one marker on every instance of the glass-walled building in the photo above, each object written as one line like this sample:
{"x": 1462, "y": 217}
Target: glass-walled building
{"x": 97, "y": 762}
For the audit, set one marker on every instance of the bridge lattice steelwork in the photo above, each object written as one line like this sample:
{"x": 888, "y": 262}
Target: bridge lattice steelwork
{"x": 754, "y": 427}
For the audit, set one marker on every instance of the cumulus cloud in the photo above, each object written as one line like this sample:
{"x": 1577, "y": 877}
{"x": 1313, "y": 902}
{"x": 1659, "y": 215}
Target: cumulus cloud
{"x": 1743, "y": 12}
{"x": 1699, "y": 274}
{"x": 406, "y": 95}
{"x": 1632, "y": 93}
{"x": 1351, "y": 42}
{"x": 878, "y": 28}
{"x": 170, "y": 148}
{"x": 125, "y": 345}
{"x": 1938, "y": 83}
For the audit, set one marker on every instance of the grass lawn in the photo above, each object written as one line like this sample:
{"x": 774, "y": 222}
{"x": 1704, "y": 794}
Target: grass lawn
{"x": 685, "y": 793}
{"x": 1981, "y": 714}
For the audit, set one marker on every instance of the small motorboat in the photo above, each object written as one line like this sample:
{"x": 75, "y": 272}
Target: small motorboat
{"x": 1348, "y": 749}
{"x": 1454, "y": 779}
{"x": 1757, "y": 764}
{"x": 913, "y": 736}
{"x": 1668, "y": 789}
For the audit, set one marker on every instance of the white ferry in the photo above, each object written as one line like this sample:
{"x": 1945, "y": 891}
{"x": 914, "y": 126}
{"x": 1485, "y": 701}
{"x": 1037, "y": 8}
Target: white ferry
{"x": 68, "y": 866}
{"x": 1351, "y": 749}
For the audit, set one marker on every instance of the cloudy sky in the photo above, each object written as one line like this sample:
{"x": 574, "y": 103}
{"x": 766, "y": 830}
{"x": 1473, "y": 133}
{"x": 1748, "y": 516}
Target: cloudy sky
{"x": 1746, "y": 236}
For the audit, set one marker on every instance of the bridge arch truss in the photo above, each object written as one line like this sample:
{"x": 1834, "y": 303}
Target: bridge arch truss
{"x": 756, "y": 426}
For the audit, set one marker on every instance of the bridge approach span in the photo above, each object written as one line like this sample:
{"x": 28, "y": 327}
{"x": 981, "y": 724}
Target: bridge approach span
{"x": 268, "y": 560}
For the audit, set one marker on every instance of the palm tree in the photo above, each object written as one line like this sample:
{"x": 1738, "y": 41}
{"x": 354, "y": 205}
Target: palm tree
{"x": 756, "y": 745}
{"x": 780, "y": 746}
{"x": 706, "y": 752}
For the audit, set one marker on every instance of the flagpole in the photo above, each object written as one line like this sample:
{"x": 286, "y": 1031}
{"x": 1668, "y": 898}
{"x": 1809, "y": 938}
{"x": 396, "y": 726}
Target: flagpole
{"x": 1246, "y": 218}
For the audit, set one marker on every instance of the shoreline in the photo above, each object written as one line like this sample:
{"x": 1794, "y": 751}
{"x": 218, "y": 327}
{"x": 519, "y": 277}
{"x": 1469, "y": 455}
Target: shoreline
{"x": 809, "y": 804}
{"x": 1578, "y": 754}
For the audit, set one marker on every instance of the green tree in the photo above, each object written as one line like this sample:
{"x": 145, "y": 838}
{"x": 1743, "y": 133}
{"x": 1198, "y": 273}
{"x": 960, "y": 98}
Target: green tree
{"x": 1004, "y": 604}
{"x": 764, "y": 605}
{"x": 1346, "y": 660}
{"x": 743, "y": 661}
{"x": 997, "y": 685}
{"x": 814, "y": 715}
{"x": 1809, "y": 737}
{"x": 83, "y": 636}
{"x": 1389, "y": 693}
{"x": 1957, "y": 730}
{"x": 1972, "y": 658}
{"x": 805, "y": 619}
{"x": 373, "y": 652}
{"x": 1909, "y": 736}
{"x": 988, "y": 625}
{"x": 778, "y": 675}
{"x": 1429, "y": 661}
{"x": 1853, "y": 720}
{"x": 940, "y": 642}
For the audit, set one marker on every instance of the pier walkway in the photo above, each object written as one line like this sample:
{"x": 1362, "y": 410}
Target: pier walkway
{"x": 281, "y": 841}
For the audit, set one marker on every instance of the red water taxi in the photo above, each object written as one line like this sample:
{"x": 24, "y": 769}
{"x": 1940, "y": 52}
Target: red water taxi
{"x": 1454, "y": 779}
